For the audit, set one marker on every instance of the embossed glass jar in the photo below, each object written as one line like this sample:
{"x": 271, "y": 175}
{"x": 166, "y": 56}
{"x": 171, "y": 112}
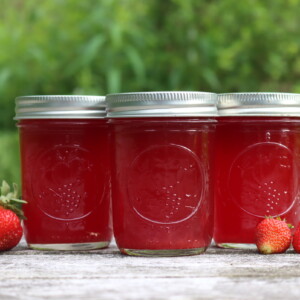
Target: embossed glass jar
{"x": 64, "y": 143}
{"x": 162, "y": 189}
{"x": 257, "y": 164}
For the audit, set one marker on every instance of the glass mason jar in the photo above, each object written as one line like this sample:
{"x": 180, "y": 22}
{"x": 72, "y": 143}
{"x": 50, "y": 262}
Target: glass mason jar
{"x": 257, "y": 164}
{"x": 162, "y": 189}
{"x": 64, "y": 144}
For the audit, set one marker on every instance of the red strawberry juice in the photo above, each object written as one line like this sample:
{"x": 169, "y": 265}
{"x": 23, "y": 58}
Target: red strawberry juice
{"x": 257, "y": 175}
{"x": 66, "y": 182}
{"x": 162, "y": 187}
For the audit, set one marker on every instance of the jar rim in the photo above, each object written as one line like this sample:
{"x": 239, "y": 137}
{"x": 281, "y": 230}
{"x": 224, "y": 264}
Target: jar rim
{"x": 60, "y": 107}
{"x": 161, "y": 104}
{"x": 259, "y": 104}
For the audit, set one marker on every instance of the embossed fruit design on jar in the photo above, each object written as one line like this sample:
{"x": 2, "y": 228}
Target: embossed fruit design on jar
{"x": 65, "y": 171}
{"x": 257, "y": 164}
{"x": 162, "y": 189}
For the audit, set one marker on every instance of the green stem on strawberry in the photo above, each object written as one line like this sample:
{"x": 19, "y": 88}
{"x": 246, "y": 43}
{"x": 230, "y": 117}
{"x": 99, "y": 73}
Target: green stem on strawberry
{"x": 18, "y": 200}
{"x": 9, "y": 199}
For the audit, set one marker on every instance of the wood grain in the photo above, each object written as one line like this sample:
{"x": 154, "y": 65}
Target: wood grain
{"x": 106, "y": 274}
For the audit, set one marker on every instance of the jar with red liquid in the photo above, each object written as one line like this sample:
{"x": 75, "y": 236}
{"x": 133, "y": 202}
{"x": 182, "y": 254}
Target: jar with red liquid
{"x": 257, "y": 164}
{"x": 162, "y": 179}
{"x": 64, "y": 144}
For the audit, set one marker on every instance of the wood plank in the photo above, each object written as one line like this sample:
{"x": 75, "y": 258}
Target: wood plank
{"x": 106, "y": 274}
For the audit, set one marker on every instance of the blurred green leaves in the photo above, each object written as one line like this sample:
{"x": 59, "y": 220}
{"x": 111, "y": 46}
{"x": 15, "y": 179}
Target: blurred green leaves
{"x": 105, "y": 46}
{"x": 9, "y": 157}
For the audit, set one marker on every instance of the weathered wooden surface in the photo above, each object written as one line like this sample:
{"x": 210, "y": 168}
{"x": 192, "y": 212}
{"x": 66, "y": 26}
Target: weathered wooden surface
{"x": 106, "y": 274}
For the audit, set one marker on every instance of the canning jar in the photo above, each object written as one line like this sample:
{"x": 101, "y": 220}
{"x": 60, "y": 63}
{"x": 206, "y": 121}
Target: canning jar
{"x": 162, "y": 188}
{"x": 64, "y": 145}
{"x": 257, "y": 164}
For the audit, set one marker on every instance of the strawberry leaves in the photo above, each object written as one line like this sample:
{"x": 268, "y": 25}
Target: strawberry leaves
{"x": 9, "y": 199}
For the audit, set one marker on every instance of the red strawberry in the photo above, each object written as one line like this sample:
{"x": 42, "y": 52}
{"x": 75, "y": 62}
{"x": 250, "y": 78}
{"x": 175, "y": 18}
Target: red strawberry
{"x": 296, "y": 240}
{"x": 10, "y": 226}
{"x": 273, "y": 236}
{"x": 10, "y": 229}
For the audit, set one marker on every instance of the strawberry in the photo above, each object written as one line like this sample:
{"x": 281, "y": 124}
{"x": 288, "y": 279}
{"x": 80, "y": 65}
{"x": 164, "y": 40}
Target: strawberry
{"x": 273, "y": 236}
{"x": 296, "y": 240}
{"x": 10, "y": 226}
{"x": 10, "y": 229}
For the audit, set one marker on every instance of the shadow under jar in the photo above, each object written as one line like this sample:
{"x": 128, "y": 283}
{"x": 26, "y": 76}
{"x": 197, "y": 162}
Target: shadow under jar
{"x": 257, "y": 164}
{"x": 64, "y": 144}
{"x": 162, "y": 189}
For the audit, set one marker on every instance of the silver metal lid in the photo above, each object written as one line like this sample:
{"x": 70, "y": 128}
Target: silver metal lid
{"x": 259, "y": 104}
{"x": 161, "y": 104}
{"x": 60, "y": 107}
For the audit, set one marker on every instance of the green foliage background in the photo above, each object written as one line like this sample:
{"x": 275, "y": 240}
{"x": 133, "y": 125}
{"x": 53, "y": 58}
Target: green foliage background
{"x": 104, "y": 46}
